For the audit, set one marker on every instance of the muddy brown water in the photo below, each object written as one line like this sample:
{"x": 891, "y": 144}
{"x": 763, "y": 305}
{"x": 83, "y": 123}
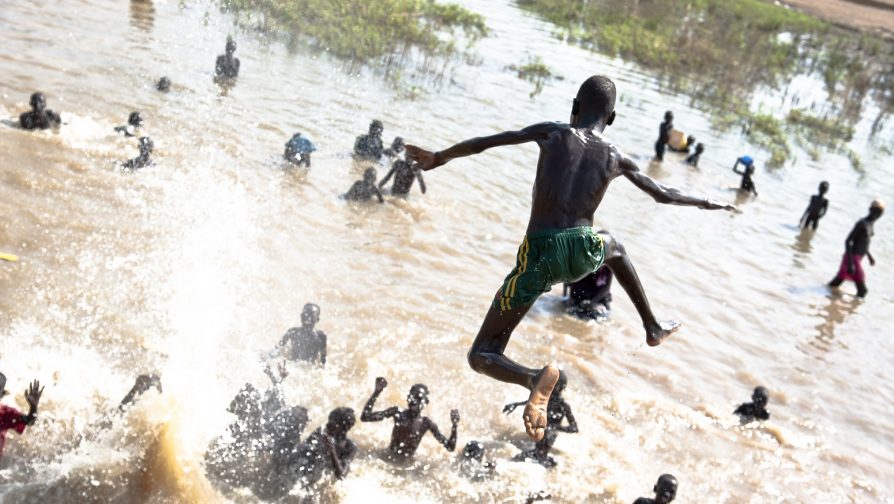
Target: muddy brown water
{"x": 196, "y": 266}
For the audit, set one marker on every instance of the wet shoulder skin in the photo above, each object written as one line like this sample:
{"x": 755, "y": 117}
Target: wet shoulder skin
{"x": 574, "y": 170}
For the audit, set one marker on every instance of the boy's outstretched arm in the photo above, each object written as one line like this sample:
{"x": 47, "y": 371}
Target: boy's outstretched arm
{"x": 368, "y": 414}
{"x": 662, "y": 193}
{"x": 448, "y": 443}
{"x": 428, "y": 160}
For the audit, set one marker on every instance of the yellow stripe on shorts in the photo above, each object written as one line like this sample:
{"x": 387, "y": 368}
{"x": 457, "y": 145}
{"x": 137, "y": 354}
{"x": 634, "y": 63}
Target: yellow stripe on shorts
{"x": 522, "y": 260}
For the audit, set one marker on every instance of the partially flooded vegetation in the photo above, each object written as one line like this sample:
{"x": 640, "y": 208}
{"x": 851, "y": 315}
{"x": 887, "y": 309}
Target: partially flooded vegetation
{"x": 536, "y": 72}
{"x": 384, "y": 33}
{"x": 729, "y": 55}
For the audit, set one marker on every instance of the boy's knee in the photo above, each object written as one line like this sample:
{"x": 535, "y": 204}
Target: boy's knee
{"x": 476, "y": 361}
{"x": 613, "y": 248}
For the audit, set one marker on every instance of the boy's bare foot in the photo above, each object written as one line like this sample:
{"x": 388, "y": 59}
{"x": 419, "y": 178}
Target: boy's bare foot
{"x": 656, "y": 335}
{"x": 535, "y": 409}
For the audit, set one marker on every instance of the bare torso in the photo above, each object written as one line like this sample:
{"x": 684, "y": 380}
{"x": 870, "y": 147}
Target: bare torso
{"x": 573, "y": 173}
{"x": 407, "y": 433}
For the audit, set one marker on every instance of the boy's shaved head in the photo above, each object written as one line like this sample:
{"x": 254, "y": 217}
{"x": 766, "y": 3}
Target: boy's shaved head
{"x": 596, "y": 96}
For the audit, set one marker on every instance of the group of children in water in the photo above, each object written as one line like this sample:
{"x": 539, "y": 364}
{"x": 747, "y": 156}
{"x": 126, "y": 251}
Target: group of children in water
{"x": 857, "y": 241}
{"x": 263, "y": 450}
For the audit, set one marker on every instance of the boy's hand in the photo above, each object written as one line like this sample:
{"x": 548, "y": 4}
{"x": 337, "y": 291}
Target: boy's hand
{"x": 712, "y": 204}
{"x": 33, "y": 393}
{"x": 421, "y": 158}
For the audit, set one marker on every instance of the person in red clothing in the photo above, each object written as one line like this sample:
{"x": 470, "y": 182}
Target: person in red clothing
{"x": 11, "y": 418}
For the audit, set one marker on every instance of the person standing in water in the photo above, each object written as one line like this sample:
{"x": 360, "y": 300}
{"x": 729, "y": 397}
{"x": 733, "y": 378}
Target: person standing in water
{"x": 665, "y": 491}
{"x": 13, "y": 419}
{"x": 39, "y": 117}
{"x": 472, "y": 463}
{"x": 163, "y": 85}
{"x": 369, "y": 146}
{"x": 404, "y": 176}
{"x": 327, "y": 448}
{"x": 409, "y": 425}
{"x": 693, "y": 158}
{"x": 757, "y": 408}
{"x": 558, "y": 411}
{"x": 365, "y": 189}
{"x": 306, "y": 343}
{"x": 664, "y": 131}
{"x": 134, "y": 121}
{"x": 144, "y": 159}
{"x": 747, "y": 185}
{"x": 576, "y": 165}
{"x": 397, "y": 147}
{"x": 590, "y": 297}
{"x": 227, "y": 66}
{"x": 855, "y": 247}
{"x": 816, "y": 209}
{"x": 298, "y": 150}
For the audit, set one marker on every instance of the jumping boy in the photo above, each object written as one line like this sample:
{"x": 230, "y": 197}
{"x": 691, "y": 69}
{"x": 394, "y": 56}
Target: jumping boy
{"x": 575, "y": 168}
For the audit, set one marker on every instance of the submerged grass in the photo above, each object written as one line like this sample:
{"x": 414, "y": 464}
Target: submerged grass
{"x": 366, "y": 31}
{"x": 536, "y": 72}
{"x": 769, "y": 132}
{"x": 722, "y": 52}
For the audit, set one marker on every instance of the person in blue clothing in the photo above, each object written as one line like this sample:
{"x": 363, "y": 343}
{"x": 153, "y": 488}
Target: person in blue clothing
{"x": 298, "y": 150}
{"x": 747, "y": 185}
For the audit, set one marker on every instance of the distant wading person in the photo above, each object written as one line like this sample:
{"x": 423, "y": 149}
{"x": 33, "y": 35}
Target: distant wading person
{"x": 405, "y": 175}
{"x": 855, "y": 247}
{"x": 695, "y": 156}
{"x": 664, "y": 131}
{"x": 39, "y": 117}
{"x": 747, "y": 185}
{"x": 575, "y": 168}
{"x": 817, "y": 208}
{"x": 306, "y": 343}
{"x": 227, "y": 66}
{"x": 757, "y": 408}
{"x": 369, "y": 146}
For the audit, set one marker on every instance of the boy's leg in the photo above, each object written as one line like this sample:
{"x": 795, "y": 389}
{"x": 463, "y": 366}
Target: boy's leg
{"x": 617, "y": 261}
{"x": 486, "y": 357}
{"x": 842, "y": 273}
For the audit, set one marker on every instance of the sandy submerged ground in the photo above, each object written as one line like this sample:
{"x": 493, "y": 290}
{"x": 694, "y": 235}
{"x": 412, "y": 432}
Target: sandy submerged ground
{"x": 875, "y": 16}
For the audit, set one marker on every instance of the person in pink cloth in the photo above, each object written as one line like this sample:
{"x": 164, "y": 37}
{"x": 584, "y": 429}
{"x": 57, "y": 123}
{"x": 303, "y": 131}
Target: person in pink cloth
{"x": 11, "y": 418}
{"x": 855, "y": 247}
